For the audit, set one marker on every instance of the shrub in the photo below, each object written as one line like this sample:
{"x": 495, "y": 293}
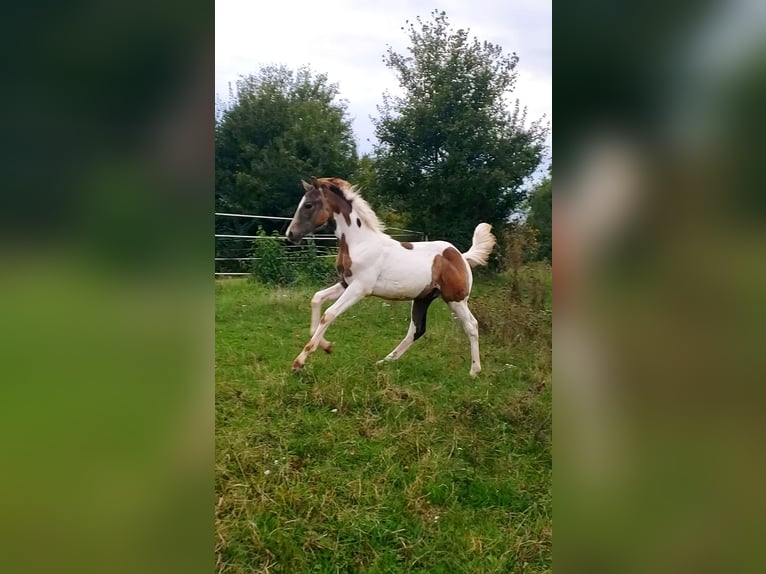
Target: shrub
{"x": 276, "y": 265}
{"x": 311, "y": 269}
{"x": 271, "y": 265}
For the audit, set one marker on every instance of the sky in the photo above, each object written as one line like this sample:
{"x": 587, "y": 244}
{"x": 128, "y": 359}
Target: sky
{"x": 346, "y": 39}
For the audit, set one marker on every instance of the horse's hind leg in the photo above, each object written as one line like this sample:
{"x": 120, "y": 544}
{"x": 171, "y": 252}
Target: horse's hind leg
{"x": 402, "y": 347}
{"x": 471, "y": 328}
{"x": 416, "y": 330}
{"x": 329, "y": 294}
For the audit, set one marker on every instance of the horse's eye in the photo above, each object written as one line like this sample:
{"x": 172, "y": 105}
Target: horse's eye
{"x": 306, "y": 206}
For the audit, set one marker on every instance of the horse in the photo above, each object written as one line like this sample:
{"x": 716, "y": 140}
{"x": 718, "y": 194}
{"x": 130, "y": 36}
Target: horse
{"x": 370, "y": 262}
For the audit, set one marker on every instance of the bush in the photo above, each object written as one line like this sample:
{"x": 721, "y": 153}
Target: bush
{"x": 311, "y": 269}
{"x": 271, "y": 265}
{"x": 276, "y": 265}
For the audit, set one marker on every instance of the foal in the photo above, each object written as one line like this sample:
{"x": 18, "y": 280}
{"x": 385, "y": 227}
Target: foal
{"x": 372, "y": 263}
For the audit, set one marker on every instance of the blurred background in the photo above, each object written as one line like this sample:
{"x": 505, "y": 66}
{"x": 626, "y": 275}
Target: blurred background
{"x": 659, "y": 244}
{"x": 106, "y": 302}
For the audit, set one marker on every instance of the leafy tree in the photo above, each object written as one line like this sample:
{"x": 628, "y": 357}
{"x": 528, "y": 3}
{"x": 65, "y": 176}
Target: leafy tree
{"x": 280, "y": 127}
{"x": 366, "y": 177}
{"x": 452, "y": 151}
{"x": 541, "y": 216}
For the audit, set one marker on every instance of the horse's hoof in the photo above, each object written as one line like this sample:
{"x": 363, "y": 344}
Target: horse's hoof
{"x": 297, "y": 366}
{"x": 327, "y": 348}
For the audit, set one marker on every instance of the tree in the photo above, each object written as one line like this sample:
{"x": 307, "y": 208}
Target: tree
{"x": 279, "y": 127}
{"x": 541, "y": 216}
{"x": 452, "y": 151}
{"x": 366, "y": 177}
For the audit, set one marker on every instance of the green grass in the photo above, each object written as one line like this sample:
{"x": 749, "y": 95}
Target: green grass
{"x": 408, "y": 467}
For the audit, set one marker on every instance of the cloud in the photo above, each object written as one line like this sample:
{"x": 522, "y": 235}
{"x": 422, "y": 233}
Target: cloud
{"x": 346, "y": 39}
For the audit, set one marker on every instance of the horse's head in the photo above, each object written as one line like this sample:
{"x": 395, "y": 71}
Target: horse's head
{"x": 322, "y": 199}
{"x": 313, "y": 211}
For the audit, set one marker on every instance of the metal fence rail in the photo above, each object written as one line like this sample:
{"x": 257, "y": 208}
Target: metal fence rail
{"x": 231, "y": 247}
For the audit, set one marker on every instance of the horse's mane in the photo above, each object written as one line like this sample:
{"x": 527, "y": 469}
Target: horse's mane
{"x": 360, "y": 207}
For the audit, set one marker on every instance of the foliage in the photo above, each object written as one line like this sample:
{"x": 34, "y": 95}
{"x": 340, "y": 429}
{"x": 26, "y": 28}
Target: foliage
{"x": 271, "y": 265}
{"x": 366, "y": 177}
{"x": 279, "y": 127}
{"x": 541, "y": 217}
{"x": 275, "y": 265}
{"x": 519, "y": 246}
{"x": 405, "y": 467}
{"x": 311, "y": 268}
{"x": 452, "y": 151}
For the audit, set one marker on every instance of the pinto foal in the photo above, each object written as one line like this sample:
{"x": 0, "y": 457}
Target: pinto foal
{"x": 372, "y": 263}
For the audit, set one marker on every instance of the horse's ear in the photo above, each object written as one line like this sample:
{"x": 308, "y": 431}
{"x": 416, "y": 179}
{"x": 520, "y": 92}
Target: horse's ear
{"x": 306, "y": 185}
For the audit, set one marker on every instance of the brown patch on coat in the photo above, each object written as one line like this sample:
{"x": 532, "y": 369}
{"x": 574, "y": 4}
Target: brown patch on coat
{"x": 343, "y": 261}
{"x": 333, "y": 195}
{"x": 321, "y": 209}
{"x": 406, "y": 244}
{"x": 448, "y": 272}
{"x": 336, "y": 181}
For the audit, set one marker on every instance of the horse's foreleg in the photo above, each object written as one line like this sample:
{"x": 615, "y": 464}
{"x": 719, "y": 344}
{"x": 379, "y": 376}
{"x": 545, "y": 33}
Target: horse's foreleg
{"x": 329, "y": 294}
{"x": 471, "y": 328}
{"x": 416, "y": 330}
{"x": 349, "y": 297}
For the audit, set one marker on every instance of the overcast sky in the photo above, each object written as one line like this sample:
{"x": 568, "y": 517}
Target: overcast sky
{"x": 346, "y": 40}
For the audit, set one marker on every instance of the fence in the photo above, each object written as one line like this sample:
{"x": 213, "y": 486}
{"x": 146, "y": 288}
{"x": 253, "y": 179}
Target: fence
{"x": 234, "y": 251}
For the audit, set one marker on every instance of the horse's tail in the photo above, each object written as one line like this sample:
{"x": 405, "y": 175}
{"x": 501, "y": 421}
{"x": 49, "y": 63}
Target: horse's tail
{"x": 483, "y": 243}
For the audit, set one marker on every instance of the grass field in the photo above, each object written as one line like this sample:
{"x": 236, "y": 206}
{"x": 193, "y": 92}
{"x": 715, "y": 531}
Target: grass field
{"x": 407, "y": 467}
